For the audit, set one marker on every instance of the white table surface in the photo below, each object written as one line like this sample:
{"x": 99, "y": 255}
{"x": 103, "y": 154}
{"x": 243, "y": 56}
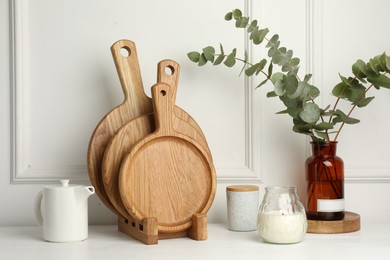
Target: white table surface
{"x": 105, "y": 242}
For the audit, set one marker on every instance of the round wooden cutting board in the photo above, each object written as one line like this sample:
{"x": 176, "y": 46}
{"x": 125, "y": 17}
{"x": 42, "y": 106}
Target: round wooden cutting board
{"x": 167, "y": 175}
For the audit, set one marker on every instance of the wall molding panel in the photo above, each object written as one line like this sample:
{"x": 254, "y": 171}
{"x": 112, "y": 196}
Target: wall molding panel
{"x": 23, "y": 167}
{"x": 28, "y": 166}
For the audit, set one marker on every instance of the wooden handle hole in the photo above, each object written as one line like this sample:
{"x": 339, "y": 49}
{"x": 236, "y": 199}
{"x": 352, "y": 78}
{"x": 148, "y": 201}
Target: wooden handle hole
{"x": 163, "y": 92}
{"x": 125, "y": 51}
{"x": 169, "y": 70}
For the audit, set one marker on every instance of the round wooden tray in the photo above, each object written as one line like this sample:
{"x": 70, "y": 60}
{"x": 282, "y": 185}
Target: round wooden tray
{"x": 350, "y": 223}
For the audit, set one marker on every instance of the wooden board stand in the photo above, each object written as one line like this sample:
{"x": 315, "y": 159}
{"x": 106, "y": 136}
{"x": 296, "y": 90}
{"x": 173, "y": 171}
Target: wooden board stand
{"x": 146, "y": 230}
{"x": 350, "y": 223}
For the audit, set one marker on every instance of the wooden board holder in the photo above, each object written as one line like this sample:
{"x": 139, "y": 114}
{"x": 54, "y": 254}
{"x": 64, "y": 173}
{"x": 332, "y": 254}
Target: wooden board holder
{"x": 146, "y": 231}
{"x": 350, "y": 223}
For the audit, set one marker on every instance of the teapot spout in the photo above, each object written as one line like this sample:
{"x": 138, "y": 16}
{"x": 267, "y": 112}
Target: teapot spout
{"x": 84, "y": 192}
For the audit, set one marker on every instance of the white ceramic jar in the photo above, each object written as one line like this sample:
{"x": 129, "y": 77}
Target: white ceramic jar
{"x": 242, "y": 207}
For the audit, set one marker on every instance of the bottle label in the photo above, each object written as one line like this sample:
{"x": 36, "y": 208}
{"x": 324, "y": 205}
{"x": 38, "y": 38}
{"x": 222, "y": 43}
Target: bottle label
{"x": 335, "y": 205}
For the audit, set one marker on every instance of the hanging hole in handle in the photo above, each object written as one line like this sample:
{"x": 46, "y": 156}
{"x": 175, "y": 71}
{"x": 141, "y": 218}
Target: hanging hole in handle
{"x": 163, "y": 92}
{"x": 125, "y": 51}
{"x": 169, "y": 70}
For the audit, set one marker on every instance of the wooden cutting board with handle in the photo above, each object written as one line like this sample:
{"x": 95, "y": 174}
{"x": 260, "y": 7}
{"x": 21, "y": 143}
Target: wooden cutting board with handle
{"x": 135, "y": 103}
{"x": 133, "y": 131}
{"x": 167, "y": 175}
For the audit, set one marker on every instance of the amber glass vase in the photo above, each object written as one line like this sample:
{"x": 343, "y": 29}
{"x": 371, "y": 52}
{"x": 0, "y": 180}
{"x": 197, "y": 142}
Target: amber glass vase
{"x": 325, "y": 183}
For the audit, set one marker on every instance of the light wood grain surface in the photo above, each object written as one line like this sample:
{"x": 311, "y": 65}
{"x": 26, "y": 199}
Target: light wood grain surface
{"x": 138, "y": 128}
{"x": 135, "y": 103}
{"x": 167, "y": 174}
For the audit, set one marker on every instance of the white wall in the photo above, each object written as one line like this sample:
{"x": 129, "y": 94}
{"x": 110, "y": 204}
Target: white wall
{"x": 64, "y": 81}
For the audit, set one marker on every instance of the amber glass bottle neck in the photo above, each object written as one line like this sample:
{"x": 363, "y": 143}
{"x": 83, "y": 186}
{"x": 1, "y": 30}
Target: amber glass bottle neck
{"x": 324, "y": 148}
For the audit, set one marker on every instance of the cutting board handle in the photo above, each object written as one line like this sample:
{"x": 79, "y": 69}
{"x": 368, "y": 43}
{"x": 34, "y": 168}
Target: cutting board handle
{"x": 125, "y": 58}
{"x": 163, "y": 103}
{"x": 168, "y": 72}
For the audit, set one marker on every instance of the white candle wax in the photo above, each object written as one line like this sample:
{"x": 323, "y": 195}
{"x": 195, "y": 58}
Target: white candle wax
{"x": 279, "y": 227}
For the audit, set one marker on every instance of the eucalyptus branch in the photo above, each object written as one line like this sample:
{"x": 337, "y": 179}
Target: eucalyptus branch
{"x": 296, "y": 94}
{"x": 338, "y": 99}
{"x": 350, "y": 112}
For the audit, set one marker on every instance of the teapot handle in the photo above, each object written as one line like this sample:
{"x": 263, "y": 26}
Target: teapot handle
{"x": 37, "y": 207}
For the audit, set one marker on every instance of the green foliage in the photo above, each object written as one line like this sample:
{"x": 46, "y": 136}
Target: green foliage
{"x": 298, "y": 95}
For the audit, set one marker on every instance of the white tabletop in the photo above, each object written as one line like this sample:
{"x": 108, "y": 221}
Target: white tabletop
{"x": 105, "y": 242}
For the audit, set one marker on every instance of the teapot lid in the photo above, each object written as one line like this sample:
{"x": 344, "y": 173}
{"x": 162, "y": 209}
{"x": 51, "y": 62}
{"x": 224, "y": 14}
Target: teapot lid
{"x": 64, "y": 184}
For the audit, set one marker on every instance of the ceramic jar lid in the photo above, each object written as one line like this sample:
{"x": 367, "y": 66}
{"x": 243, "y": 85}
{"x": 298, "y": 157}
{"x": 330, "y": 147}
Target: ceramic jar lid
{"x": 242, "y": 188}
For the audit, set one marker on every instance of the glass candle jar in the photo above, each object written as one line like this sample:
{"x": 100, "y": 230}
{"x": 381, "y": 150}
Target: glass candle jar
{"x": 281, "y": 218}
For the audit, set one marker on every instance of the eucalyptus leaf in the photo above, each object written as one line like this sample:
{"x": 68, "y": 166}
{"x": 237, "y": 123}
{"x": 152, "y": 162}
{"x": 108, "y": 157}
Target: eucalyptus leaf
{"x": 364, "y": 102}
{"x": 272, "y": 42}
{"x": 242, "y": 22}
{"x": 258, "y": 39}
{"x": 291, "y": 64}
{"x": 276, "y": 76}
{"x": 380, "y": 81}
{"x": 208, "y": 53}
{"x": 291, "y": 103}
{"x": 251, "y": 70}
{"x": 271, "y": 94}
{"x": 237, "y": 14}
{"x": 342, "y": 117}
{"x": 374, "y": 65}
{"x": 254, "y": 33}
{"x": 219, "y": 59}
{"x": 286, "y": 58}
{"x": 252, "y": 26}
{"x": 279, "y": 88}
{"x": 357, "y": 70}
{"x": 221, "y": 56}
{"x": 307, "y": 77}
{"x": 273, "y": 49}
{"x": 341, "y": 90}
{"x": 202, "y": 60}
{"x": 294, "y": 112}
{"x": 357, "y": 93}
{"x": 262, "y": 83}
{"x": 311, "y": 113}
{"x": 388, "y": 63}
{"x": 298, "y": 91}
{"x": 291, "y": 83}
{"x": 194, "y": 56}
{"x": 302, "y": 127}
{"x": 261, "y": 66}
{"x": 322, "y": 135}
{"x": 229, "y": 16}
{"x": 382, "y": 62}
{"x": 314, "y": 92}
{"x": 282, "y": 112}
{"x": 231, "y": 59}
{"x": 324, "y": 126}
{"x": 270, "y": 68}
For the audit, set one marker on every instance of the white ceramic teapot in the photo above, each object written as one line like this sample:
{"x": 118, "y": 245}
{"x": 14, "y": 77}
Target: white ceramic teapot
{"x": 62, "y": 210}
